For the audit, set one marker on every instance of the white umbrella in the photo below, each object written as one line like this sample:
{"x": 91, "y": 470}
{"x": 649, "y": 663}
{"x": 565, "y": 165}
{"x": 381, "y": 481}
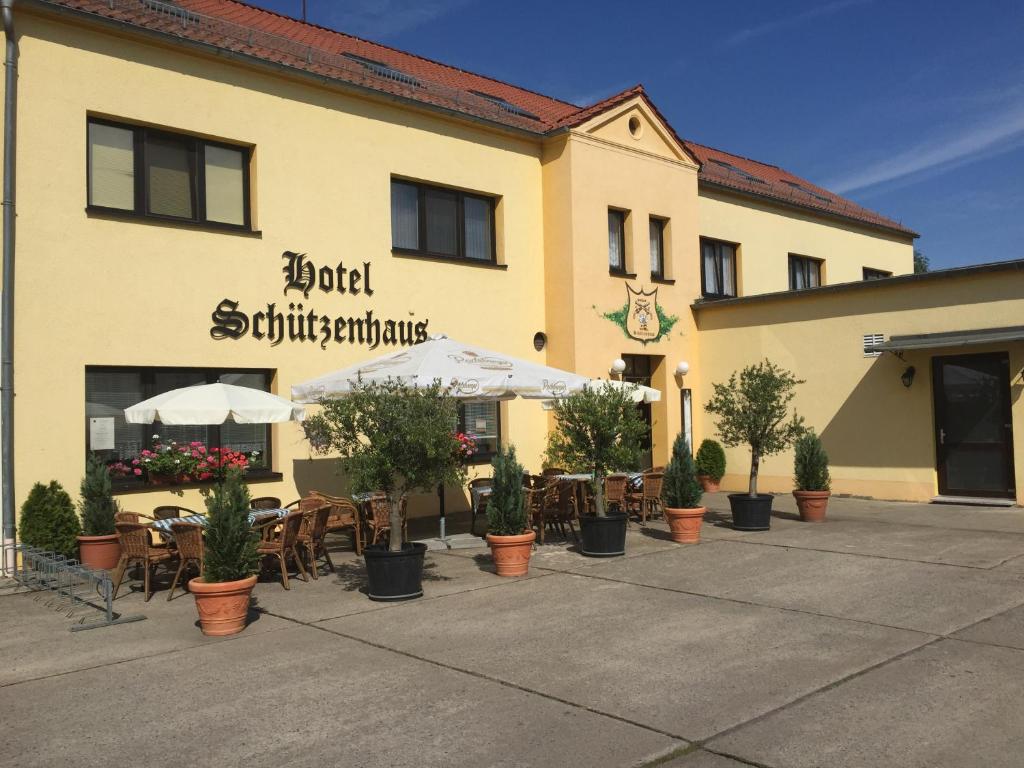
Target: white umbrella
{"x": 639, "y": 392}
{"x": 214, "y": 404}
{"x": 468, "y": 372}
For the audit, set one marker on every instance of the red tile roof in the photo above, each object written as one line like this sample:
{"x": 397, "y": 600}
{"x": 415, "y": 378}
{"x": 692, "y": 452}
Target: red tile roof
{"x": 272, "y": 37}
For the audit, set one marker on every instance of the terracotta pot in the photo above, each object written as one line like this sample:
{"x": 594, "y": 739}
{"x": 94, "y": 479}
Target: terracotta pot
{"x": 709, "y": 484}
{"x": 223, "y": 606}
{"x": 100, "y": 552}
{"x": 512, "y": 553}
{"x": 812, "y": 505}
{"x": 684, "y": 524}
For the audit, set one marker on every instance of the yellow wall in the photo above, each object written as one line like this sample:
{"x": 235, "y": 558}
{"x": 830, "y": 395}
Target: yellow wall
{"x": 767, "y": 234}
{"x": 879, "y": 435}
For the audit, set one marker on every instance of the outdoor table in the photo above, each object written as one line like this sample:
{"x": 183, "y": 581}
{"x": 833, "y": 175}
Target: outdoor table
{"x": 164, "y": 526}
{"x": 635, "y": 482}
{"x": 479, "y": 494}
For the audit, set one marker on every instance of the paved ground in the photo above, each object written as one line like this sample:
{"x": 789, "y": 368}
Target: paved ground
{"x": 892, "y": 635}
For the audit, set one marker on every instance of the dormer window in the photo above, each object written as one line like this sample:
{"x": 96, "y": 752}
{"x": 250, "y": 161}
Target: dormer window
{"x": 506, "y": 106}
{"x": 738, "y": 171}
{"x": 806, "y": 191}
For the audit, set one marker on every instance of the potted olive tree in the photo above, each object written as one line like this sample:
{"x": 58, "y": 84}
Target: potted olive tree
{"x": 710, "y": 461}
{"x": 48, "y": 520}
{"x": 753, "y": 410}
{"x": 98, "y": 546}
{"x": 510, "y": 540}
{"x": 810, "y": 469}
{"x": 598, "y": 429}
{"x": 223, "y": 591}
{"x": 395, "y": 439}
{"x": 680, "y": 495}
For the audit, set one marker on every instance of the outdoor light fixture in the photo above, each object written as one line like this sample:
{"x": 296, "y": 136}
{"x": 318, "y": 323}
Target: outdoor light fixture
{"x": 908, "y": 376}
{"x": 682, "y": 368}
{"x": 618, "y": 366}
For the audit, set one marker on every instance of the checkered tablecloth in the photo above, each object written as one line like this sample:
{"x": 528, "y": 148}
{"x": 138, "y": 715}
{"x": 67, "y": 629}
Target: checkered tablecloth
{"x": 164, "y": 526}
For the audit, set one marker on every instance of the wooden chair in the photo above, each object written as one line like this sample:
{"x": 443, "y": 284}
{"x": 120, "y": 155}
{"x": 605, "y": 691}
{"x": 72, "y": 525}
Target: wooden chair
{"x": 344, "y": 514}
{"x": 647, "y": 501}
{"x": 567, "y": 513}
{"x": 480, "y": 507}
{"x": 167, "y": 512}
{"x": 379, "y": 520}
{"x": 547, "y": 510}
{"x": 189, "y": 538}
{"x": 136, "y": 548}
{"x": 311, "y": 537}
{"x": 615, "y": 491}
{"x": 280, "y": 538}
{"x": 265, "y": 502}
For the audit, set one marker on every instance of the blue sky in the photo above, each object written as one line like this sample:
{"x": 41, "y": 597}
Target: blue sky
{"x": 911, "y": 108}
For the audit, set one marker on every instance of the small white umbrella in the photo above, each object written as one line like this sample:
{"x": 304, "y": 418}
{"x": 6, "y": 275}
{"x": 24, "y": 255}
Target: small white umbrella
{"x": 639, "y": 392}
{"x": 214, "y": 404}
{"x": 468, "y": 372}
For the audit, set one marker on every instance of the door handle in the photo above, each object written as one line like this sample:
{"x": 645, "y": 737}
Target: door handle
{"x": 942, "y": 436}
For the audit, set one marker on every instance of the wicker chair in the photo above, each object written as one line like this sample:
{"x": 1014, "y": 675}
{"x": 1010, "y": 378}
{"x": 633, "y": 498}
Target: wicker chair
{"x": 567, "y": 512}
{"x": 480, "y": 508}
{"x": 544, "y": 513}
{"x": 379, "y": 520}
{"x": 280, "y": 539}
{"x": 189, "y": 538}
{"x": 168, "y": 512}
{"x": 647, "y": 502}
{"x": 130, "y": 517}
{"x": 311, "y": 537}
{"x": 136, "y": 548}
{"x": 553, "y": 471}
{"x": 615, "y": 491}
{"x": 344, "y": 514}
{"x": 265, "y": 502}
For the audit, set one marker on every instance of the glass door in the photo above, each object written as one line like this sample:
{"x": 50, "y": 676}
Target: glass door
{"x": 973, "y": 425}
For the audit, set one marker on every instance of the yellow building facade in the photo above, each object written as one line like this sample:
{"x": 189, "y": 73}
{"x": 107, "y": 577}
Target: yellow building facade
{"x": 348, "y": 199}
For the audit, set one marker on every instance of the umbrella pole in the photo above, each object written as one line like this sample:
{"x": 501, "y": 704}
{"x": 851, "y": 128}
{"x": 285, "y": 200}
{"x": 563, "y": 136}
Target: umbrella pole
{"x": 440, "y": 497}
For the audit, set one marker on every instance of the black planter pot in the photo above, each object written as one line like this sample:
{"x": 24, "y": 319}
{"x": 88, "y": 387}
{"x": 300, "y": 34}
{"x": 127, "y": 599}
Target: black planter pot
{"x": 751, "y": 514}
{"x": 395, "y": 575}
{"x": 603, "y": 536}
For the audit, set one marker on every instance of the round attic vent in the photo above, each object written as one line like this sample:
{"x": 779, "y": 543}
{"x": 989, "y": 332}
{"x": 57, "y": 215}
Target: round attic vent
{"x": 635, "y": 127}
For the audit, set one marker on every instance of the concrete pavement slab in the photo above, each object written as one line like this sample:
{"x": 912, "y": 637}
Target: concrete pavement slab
{"x": 1005, "y": 629}
{"x": 949, "y": 705}
{"x": 701, "y": 758}
{"x": 690, "y": 666}
{"x": 1015, "y": 564}
{"x": 922, "y": 596}
{"x": 302, "y": 697}
{"x": 977, "y": 549}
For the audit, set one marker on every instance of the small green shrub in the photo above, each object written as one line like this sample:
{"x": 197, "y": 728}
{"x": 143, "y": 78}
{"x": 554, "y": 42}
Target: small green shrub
{"x": 711, "y": 459}
{"x": 680, "y": 488}
{"x": 810, "y": 464}
{"x": 97, "y": 505}
{"x": 48, "y": 520}
{"x": 506, "y": 513}
{"x": 230, "y": 540}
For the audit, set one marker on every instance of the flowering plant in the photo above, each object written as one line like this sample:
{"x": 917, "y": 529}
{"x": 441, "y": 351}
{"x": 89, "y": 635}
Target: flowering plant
{"x": 216, "y": 462}
{"x": 173, "y": 460}
{"x": 466, "y": 446}
{"x": 184, "y": 462}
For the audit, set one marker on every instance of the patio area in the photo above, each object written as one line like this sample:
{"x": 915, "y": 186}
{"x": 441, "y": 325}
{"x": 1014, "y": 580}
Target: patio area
{"x": 891, "y": 635}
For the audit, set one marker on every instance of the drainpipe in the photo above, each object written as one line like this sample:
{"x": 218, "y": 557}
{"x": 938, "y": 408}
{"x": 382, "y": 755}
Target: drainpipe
{"x": 7, "y": 297}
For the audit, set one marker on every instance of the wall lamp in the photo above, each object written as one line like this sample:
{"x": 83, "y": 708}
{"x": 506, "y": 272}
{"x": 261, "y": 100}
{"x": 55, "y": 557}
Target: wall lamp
{"x": 618, "y": 366}
{"x": 908, "y": 376}
{"x": 682, "y": 368}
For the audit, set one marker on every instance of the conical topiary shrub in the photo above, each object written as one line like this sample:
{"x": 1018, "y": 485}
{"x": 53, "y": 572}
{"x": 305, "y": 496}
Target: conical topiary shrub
{"x": 812, "y": 478}
{"x": 230, "y": 541}
{"x": 48, "y": 520}
{"x": 97, "y": 505}
{"x": 510, "y": 540}
{"x": 681, "y": 493}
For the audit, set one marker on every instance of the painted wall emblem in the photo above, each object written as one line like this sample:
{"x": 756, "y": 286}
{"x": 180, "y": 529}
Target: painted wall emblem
{"x": 642, "y": 318}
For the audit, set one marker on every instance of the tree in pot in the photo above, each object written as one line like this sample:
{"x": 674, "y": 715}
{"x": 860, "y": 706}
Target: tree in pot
{"x": 680, "y": 494}
{"x": 223, "y": 591}
{"x": 596, "y": 430}
{"x": 510, "y": 540}
{"x": 393, "y": 438}
{"x": 810, "y": 469}
{"x": 710, "y": 462}
{"x": 48, "y": 520}
{"x": 98, "y": 546}
{"x": 753, "y": 410}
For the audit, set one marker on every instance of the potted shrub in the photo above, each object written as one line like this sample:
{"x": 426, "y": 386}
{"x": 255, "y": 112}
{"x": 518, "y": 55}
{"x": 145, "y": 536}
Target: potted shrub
{"x": 223, "y": 590}
{"x": 510, "y": 540}
{"x": 810, "y": 469}
{"x": 48, "y": 520}
{"x": 710, "y": 462}
{"x": 680, "y": 495}
{"x": 752, "y": 409}
{"x": 596, "y": 430}
{"x": 392, "y": 438}
{"x": 98, "y": 546}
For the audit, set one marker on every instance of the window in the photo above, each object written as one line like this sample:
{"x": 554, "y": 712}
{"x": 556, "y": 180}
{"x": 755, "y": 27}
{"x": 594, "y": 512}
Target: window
{"x": 657, "y": 237}
{"x": 380, "y": 69}
{"x": 432, "y": 221}
{"x": 506, "y": 106}
{"x": 870, "y": 340}
{"x": 738, "y": 171}
{"x": 483, "y": 422}
{"x": 875, "y": 274}
{"x": 109, "y": 390}
{"x": 145, "y": 172}
{"x": 718, "y": 268}
{"x": 806, "y": 191}
{"x": 804, "y": 272}
{"x": 616, "y": 241}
